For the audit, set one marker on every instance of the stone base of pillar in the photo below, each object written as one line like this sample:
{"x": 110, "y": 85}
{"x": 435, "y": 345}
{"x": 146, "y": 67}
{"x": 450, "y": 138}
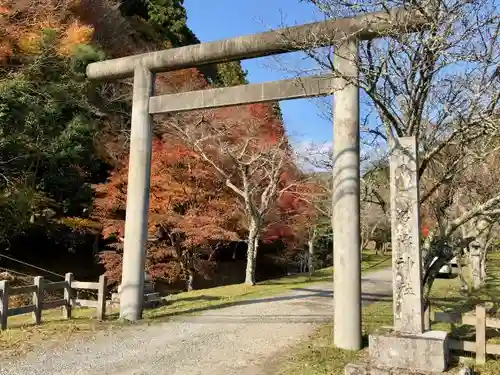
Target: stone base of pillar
{"x": 151, "y": 298}
{"x": 426, "y": 352}
{"x": 367, "y": 368}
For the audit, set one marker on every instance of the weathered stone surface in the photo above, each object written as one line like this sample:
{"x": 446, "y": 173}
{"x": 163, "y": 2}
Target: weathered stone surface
{"x": 363, "y": 26}
{"x": 151, "y": 298}
{"x": 405, "y": 222}
{"x": 345, "y": 203}
{"x": 357, "y": 369}
{"x": 475, "y": 257}
{"x": 136, "y": 218}
{"x": 380, "y": 371}
{"x": 367, "y": 368}
{"x": 423, "y": 352}
{"x": 294, "y": 88}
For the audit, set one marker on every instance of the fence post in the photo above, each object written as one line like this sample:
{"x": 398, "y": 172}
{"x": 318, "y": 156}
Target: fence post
{"x": 68, "y": 296}
{"x": 4, "y": 303}
{"x": 101, "y": 298}
{"x": 480, "y": 334}
{"x": 38, "y": 299}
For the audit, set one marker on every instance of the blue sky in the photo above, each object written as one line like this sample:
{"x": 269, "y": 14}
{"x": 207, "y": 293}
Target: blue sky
{"x": 220, "y": 19}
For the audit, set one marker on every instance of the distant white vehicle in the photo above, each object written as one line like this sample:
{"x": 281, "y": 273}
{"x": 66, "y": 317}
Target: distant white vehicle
{"x": 447, "y": 269}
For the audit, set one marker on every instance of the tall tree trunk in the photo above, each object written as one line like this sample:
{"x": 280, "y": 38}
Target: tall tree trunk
{"x": 464, "y": 287}
{"x": 363, "y": 243}
{"x": 366, "y": 238}
{"x": 190, "y": 279}
{"x": 430, "y": 272}
{"x": 483, "y": 267}
{"x": 478, "y": 252}
{"x": 484, "y": 238}
{"x": 384, "y": 248}
{"x": 253, "y": 245}
{"x": 310, "y": 248}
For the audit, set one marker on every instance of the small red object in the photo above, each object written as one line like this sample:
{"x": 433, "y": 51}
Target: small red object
{"x": 425, "y": 231}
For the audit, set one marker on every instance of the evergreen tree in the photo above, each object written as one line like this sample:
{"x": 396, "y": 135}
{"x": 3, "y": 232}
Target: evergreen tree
{"x": 47, "y": 131}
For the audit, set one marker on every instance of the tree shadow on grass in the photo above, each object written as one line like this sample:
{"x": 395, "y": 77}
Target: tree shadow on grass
{"x": 54, "y": 323}
{"x": 489, "y": 293}
{"x": 199, "y": 298}
{"x": 166, "y": 313}
{"x": 373, "y": 261}
{"x": 365, "y": 297}
{"x": 309, "y": 293}
{"x": 314, "y": 279}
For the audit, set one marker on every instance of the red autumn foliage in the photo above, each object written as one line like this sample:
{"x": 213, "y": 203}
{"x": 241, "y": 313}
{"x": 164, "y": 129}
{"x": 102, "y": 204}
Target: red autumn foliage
{"x": 190, "y": 213}
{"x": 180, "y": 81}
{"x": 256, "y": 132}
{"x": 293, "y": 215}
{"x": 191, "y": 210}
{"x": 258, "y": 123}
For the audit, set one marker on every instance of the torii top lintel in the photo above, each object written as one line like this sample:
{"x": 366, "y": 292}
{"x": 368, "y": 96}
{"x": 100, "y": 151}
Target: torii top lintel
{"x": 363, "y": 27}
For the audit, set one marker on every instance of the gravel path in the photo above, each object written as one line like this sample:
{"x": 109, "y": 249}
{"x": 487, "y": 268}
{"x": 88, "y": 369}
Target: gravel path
{"x": 234, "y": 340}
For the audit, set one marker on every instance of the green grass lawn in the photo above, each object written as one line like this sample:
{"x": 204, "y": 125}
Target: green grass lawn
{"x": 22, "y": 334}
{"x": 317, "y": 356}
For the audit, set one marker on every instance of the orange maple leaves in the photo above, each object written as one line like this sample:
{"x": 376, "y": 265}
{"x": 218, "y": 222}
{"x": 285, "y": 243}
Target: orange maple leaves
{"x": 188, "y": 202}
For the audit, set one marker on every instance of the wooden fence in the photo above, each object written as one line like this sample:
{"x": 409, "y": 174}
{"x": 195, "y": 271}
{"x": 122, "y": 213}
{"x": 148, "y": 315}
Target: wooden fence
{"x": 481, "y": 322}
{"x": 67, "y": 302}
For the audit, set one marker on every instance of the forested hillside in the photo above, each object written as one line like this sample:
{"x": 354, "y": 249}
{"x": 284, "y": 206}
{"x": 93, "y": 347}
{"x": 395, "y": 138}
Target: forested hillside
{"x": 64, "y": 152}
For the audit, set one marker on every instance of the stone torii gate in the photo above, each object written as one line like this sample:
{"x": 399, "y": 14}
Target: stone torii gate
{"x": 346, "y": 191}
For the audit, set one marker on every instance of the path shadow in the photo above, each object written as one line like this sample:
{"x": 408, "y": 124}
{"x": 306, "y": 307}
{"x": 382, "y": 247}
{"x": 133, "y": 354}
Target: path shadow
{"x": 369, "y": 297}
{"x": 447, "y": 276}
{"x": 257, "y": 318}
{"x": 165, "y": 314}
{"x": 314, "y": 279}
{"x": 310, "y": 293}
{"x": 376, "y": 297}
{"x": 370, "y": 258}
{"x": 199, "y": 298}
